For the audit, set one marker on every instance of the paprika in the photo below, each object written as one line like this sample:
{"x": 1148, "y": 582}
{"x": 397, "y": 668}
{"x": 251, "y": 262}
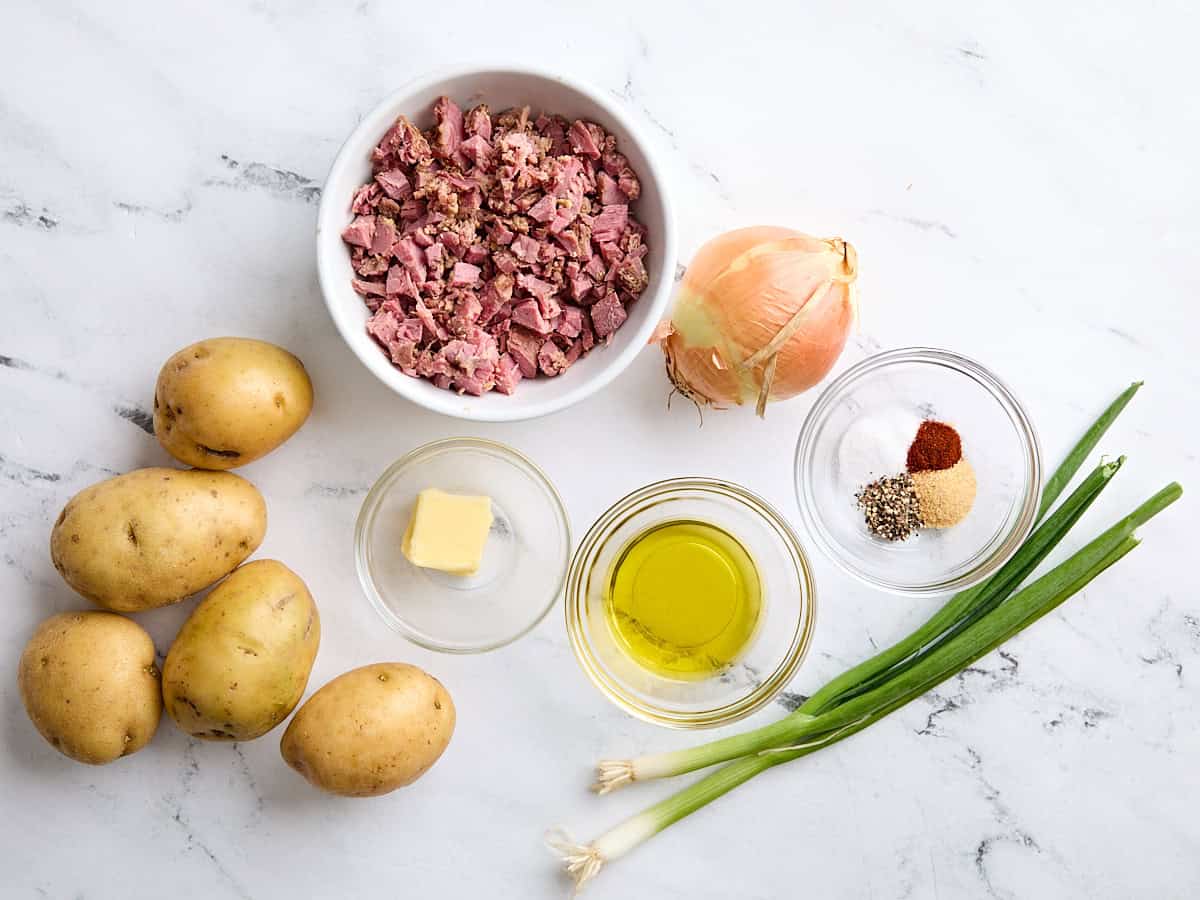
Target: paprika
{"x": 936, "y": 446}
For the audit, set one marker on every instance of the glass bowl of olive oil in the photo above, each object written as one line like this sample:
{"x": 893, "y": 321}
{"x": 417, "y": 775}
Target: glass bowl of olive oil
{"x": 690, "y": 603}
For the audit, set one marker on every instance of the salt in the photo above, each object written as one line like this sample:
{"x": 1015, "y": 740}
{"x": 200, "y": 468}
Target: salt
{"x": 876, "y": 445}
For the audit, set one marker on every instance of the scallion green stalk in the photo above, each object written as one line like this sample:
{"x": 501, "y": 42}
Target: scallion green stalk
{"x": 809, "y": 719}
{"x": 584, "y": 861}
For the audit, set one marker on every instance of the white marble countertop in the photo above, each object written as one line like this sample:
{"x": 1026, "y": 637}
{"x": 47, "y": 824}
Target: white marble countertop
{"x": 1021, "y": 185}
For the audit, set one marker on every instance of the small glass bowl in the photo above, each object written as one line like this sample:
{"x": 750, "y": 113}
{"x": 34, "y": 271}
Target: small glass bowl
{"x": 524, "y": 561}
{"x": 893, "y": 392}
{"x": 786, "y": 617}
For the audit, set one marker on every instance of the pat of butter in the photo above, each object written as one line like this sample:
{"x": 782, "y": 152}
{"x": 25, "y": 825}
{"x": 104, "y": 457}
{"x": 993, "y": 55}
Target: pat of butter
{"x": 447, "y": 532}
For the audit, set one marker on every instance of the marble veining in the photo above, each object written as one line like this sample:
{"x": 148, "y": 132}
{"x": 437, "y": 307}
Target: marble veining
{"x": 1020, "y": 186}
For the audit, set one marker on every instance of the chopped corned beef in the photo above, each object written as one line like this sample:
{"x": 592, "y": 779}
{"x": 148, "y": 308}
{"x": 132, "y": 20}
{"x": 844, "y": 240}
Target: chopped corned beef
{"x": 582, "y": 140}
{"x": 507, "y": 374}
{"x": 628, "y": 183}
{"x": 530, "y": 315}
{"x": 632, "y": 274}
{"x": 607, "y": 314}
{"x": 365, "y": 199}
{"x": 448, "y": 133}
{"x": 609, "y": 192}
{"x": 523, "y": 346}
{"x": 367, "y": 288}
{"x": 395, "y": 184}
{"x": 464, "y": 274}
{"x": 611, "y": 223}
{"x": 360, "y": 232}
{"x": 400, "y": 282}
{"x": 525, "y": 248}
{"x": 580, "y": 286}
{"x": 551, "y": 360}
{"x": 385, "y": 235}
{"x": 478, "y": 122}
{"x": 544, "y": 209}
{"x": 477, "y": 208}
{"x": 571, "y": 323}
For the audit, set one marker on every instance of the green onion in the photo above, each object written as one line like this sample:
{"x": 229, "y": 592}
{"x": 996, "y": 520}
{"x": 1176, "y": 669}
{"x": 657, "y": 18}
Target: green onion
{"x": 1083, "y": 449}
{"x": 612, "y": 774}
{"x": 584, "y": 861}
{"x": 961, "y": 611}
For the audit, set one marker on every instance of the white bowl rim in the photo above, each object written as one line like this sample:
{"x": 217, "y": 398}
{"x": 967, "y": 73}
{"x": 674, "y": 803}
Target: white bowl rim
{"x": 449, "y": 403}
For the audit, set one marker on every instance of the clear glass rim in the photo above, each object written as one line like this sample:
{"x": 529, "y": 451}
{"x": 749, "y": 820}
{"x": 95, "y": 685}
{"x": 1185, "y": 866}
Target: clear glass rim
{"x": 803, "y": 466}
{"x": 366, "y": 518}
{"x": 575, "y": 604}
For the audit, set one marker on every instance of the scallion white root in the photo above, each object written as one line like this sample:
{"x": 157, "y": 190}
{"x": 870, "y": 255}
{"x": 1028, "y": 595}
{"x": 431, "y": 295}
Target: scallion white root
{"x": 615, "y": 773}
{"x": 582, "y": 862}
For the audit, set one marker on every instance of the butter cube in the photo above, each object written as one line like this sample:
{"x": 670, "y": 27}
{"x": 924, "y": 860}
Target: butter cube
{"x": 447, "y": 532}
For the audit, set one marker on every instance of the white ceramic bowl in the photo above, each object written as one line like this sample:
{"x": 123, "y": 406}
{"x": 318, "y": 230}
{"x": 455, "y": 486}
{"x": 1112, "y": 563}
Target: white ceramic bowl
{"x": 500, "y": 88}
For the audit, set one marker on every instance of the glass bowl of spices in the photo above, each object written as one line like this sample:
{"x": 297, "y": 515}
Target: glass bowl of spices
{"x": 918, "y": 471}
{"x": 690, "y": 603}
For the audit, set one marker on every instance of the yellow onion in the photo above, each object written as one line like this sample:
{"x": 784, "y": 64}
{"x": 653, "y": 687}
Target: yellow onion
{"x": 762, "y": 314}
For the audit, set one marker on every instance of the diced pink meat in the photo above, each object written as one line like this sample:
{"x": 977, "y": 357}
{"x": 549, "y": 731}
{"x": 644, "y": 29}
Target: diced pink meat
{"x": 385, "y": 235}
{"x": 611, "y": 222}
{"x": 607, "y": 315}
{"x": 505, "y": 262}
{"x": 477, "y": 150}
{"x": 360, "y": 232}
{"x": 507, "y": 374}
{"x": 400, "y": 283}
{"x": 434, "y": 254}
{"x": 455, "y": 219}
{"x": 628, "y": 182}
{"x": 529, "y": 314}
{"x": 395, "y": 184}
{"x": 369, "y": 288}
{"x": 544, "y": 209}
{"x": 571, "y": 323}
{"x": 523, "y": 347}
{"x": 464, "y": 274}
{"x": 580, "y": 286}
{"x": 411, "y": 257}
{"x": 478, "y": 122}
{"x": 582, "y": 140}
{"x": 383, "y": 326}
{"x": 448, "y": 133}
{"x": 500, "y": 233}
{"x": 609, "y": 192}
{"x": 365, "y": 199}
{"x": 611, "y": 253}
{"x": 525, "y": 248}
{"x": 632, "y": 274}
{"x": 551, "y": 360}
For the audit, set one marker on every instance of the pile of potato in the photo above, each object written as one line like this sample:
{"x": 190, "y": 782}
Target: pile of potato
{"x": 241, "y": 661}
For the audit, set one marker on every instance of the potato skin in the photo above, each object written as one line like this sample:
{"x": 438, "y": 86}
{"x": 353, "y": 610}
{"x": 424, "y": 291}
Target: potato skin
{"x": 224, "y": 402}
{"x": 241, "y": 661}
{"x": 370, "y": 731}
{"x": 90, "y": 685}
{"x": 155, "y": 536}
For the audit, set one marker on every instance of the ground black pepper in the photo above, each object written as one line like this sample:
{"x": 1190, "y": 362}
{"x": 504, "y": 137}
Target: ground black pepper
{"x": 890, "y": 507}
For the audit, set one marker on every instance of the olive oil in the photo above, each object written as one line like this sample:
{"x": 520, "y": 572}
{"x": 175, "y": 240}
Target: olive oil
{"x": 683, "y": 599}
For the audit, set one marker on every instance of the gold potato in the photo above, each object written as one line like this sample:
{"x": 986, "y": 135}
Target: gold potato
{"x": 370, "y": 731}
{"x": 90, "y": 685}
{"x": 154, "y": 536}
{"x": 241, "y": 661}
{"x": 221, "y": 403}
